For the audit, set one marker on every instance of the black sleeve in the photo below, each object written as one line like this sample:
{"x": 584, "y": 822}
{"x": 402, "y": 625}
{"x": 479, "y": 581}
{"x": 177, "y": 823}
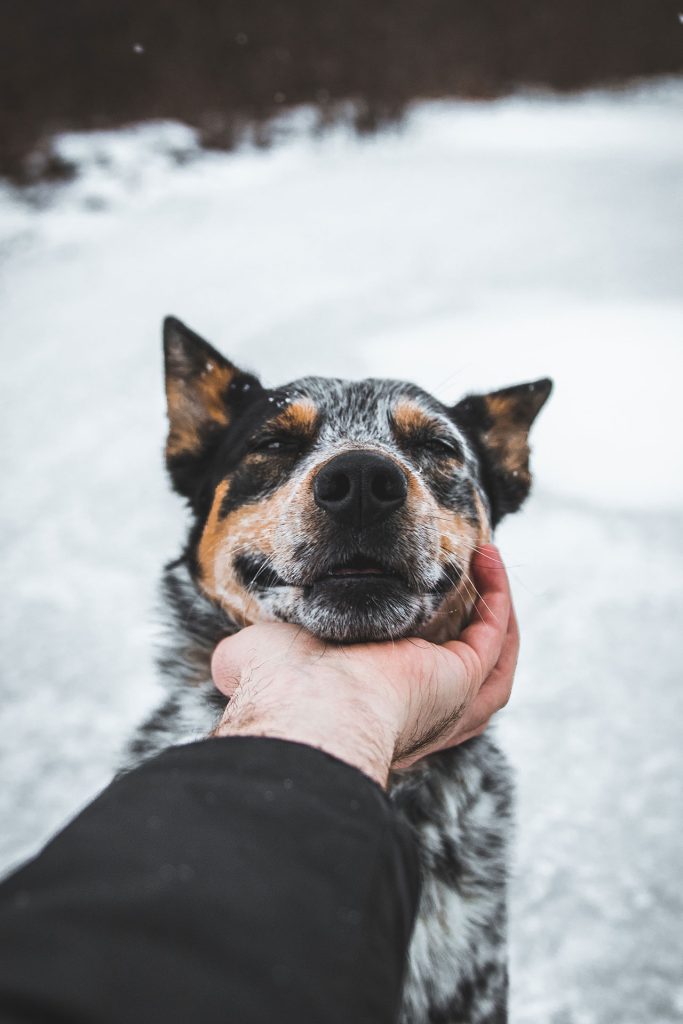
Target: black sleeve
{"x": 241, "y": 881}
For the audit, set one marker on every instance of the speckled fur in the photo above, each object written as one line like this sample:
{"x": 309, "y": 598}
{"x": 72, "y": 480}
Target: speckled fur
{"x": 457, "y": 802}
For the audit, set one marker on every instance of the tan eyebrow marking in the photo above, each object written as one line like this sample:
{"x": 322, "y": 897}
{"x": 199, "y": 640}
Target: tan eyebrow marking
{"x": 412, "y": 423}
{"x": 301, "y": 417}
{"x": 251, "y": 528}
{"x": 408, "y": 417}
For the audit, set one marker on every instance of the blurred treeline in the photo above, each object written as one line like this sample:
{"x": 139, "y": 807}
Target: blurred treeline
{"x": 218, "y": 64}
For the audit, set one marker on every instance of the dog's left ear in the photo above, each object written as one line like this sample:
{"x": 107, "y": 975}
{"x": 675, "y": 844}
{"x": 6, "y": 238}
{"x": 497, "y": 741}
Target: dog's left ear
{"x": 498, "y": 426}
{"x": 203, "y": 391}
{"x": 197, "y": 380}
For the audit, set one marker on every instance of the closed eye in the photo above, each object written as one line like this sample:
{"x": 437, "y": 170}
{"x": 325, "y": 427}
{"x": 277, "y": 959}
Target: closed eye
{"x": 427, "y": 436}
{"x": 277, "y": 444}
{"x": 442, "y": 446}
{"x": 438, "y": 445}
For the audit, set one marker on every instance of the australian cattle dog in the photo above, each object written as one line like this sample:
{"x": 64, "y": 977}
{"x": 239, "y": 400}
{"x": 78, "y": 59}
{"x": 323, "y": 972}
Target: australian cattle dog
{"x": 353, "y": 509}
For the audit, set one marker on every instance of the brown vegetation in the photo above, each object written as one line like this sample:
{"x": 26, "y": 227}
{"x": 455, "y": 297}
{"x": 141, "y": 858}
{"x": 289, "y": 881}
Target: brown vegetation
{"x": 217, "y": 64}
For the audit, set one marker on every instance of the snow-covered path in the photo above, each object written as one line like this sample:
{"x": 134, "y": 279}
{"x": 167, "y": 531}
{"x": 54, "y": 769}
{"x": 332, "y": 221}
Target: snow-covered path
{"x": 484, "y": 245}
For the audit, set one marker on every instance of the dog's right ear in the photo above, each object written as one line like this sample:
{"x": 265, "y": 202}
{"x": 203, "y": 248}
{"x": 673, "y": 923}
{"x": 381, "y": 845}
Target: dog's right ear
{"x": 498, "y": 426}
{"x": 202, "y": 391}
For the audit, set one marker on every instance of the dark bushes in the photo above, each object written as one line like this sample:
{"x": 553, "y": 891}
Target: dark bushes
{"x": 215, "y": 63}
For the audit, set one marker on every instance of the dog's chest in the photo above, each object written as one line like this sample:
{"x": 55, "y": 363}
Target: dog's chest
{"x": 458, "y": 805}
{"x": 456, "y": 802}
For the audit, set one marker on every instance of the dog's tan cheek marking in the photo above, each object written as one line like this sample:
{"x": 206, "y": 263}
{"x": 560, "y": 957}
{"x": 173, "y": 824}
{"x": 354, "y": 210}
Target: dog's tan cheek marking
{"x": 419, "y": 495}
{"x": 482, "y": 518}
{"x": 448, "y": 525}
{"x": 458, "y": 537}
{"x": 211, "y": 562}
{"x": 443, "y": 529}
{"x": 423, "y": 516}
{"x": 458, "y": 603}
{"x": 195, "y": 404}
{"x": 210, "y": 558}
{"x": 252, "y": 528}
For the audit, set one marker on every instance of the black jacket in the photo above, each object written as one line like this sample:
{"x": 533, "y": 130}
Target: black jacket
{"x": 241, "y": 881}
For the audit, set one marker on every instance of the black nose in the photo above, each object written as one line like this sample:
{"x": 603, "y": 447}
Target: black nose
{"x": 360, "y": 488}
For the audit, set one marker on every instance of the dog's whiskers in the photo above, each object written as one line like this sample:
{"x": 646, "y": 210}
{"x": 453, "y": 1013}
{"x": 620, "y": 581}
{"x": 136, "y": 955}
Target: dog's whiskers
{"x": 265, "y": 564}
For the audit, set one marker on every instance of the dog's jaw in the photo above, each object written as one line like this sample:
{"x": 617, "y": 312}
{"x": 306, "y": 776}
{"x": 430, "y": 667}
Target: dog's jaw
{"x": 354, "y": 611}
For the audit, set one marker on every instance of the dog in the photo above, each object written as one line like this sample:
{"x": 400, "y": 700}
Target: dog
{"x": 353, "y": 509}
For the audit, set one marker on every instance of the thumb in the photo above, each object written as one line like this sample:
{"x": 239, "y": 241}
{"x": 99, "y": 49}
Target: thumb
{"x": 227, "y": 664}
{"x": 251, "y": 648}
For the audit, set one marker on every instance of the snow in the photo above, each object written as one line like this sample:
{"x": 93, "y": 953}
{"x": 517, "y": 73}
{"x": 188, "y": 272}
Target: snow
{"x": 483, "y": 245}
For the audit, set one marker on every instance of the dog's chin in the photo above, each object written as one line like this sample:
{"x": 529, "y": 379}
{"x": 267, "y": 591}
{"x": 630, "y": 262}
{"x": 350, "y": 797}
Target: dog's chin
{"x": 356, "y": 609}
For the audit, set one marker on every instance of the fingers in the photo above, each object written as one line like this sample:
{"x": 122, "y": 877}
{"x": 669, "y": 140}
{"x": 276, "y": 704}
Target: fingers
{"x": 496, "y": 689}
{"x": 467, "y": 736}
{"x": 490, "y": 617}
{"x": 497, "y": 648}
{"x": 491, "y": 613}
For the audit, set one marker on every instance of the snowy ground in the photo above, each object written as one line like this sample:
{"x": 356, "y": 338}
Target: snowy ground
{"x": 483, "y": 245}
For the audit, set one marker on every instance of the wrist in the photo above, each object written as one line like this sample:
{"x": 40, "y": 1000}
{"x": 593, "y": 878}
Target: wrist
{"x": 335, "y": 717}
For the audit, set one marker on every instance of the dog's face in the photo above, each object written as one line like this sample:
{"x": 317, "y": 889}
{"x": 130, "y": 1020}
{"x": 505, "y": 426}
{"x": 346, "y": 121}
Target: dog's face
{"x": 352, "y": 509}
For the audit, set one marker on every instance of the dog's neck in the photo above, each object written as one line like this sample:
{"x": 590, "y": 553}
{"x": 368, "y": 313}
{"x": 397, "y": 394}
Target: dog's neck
{"x": 195, "y": 625}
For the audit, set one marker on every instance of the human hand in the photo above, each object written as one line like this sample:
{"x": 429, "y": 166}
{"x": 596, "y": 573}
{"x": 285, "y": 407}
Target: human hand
{"x": 378, "y": 706}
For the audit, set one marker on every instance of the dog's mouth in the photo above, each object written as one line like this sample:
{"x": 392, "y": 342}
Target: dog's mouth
{"x": 359, "y": 597}
{"x": 257, "y": 573}
{"x": 360, "y": 567}
{"x": 347, "y": 596}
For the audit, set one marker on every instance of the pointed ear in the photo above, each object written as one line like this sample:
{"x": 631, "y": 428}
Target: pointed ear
{"x": 498, "y": 426}
{"x": 202, "y": 390}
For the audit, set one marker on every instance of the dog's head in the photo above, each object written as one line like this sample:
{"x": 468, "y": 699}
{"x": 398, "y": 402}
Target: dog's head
{"x": 352, "y": 509}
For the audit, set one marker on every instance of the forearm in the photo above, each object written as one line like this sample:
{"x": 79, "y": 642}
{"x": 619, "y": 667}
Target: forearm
{"x": 235, "y": 879}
